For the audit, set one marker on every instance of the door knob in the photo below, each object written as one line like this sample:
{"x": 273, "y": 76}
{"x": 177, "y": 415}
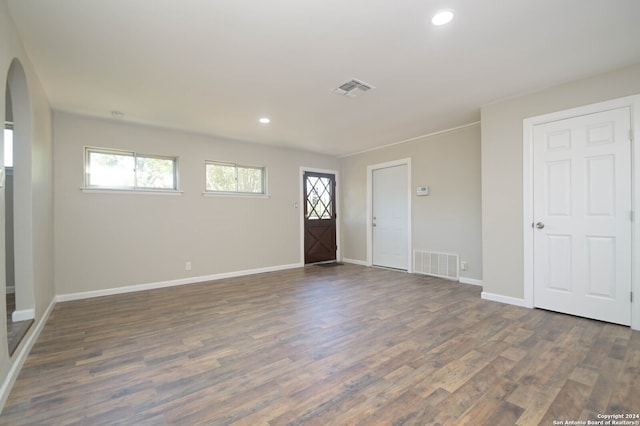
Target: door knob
{"x": 539, "y": 225}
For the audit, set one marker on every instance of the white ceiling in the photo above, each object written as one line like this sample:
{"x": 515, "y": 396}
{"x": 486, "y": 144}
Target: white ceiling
{"x": 217, "y": 66}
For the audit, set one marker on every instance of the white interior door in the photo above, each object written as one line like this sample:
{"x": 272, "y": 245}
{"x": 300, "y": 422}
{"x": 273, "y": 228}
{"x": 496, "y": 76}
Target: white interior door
{"x": 389, "y": 217}
{"x": 582, "y": 216}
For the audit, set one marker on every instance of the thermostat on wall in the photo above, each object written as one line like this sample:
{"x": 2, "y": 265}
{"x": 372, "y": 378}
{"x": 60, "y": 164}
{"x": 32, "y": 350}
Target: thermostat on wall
{"x": 422, "y": 190}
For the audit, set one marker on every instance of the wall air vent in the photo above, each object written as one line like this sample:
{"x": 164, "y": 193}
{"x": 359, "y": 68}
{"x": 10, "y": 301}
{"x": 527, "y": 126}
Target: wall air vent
{"x": 353, "y": 88}
{"x": 443, "y": 265}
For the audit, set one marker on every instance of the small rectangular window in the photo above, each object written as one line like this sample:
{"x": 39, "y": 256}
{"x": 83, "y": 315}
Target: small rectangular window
{"x": 8, "y": 144}
{"x": 155, "y": 172}
{"x": 233, "y": 178}
{"x": 114, "y": 169}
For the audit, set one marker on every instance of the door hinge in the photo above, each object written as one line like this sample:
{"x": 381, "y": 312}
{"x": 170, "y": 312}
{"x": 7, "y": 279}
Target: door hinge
{"x": 631, "y": 135}
{"x": 631, "y": 296}
{"x": 631, "y": 215}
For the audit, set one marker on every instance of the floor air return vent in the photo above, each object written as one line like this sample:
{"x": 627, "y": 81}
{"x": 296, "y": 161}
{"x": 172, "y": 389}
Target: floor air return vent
{"x": 443, "y": 265}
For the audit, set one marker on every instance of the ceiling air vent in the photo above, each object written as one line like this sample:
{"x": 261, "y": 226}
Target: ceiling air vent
{"x": 353, "y": 88}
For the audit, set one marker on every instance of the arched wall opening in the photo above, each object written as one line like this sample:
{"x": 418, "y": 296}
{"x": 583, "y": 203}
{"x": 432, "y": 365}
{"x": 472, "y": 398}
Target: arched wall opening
{"x": 17, "y": 183}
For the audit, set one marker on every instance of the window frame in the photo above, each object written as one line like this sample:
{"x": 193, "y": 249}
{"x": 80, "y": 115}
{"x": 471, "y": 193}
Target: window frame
{"x": 8, "y": 125}
{"x": 236, "y": 193}
{"x": 88, "y": 150}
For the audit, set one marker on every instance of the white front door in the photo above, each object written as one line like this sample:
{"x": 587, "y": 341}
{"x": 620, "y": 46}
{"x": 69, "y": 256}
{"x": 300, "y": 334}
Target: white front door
{"x": 389, "y": 217}
{"x": 582, "y": 216}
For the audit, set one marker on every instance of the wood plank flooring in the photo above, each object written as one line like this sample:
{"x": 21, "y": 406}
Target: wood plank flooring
{"x": 346, "y": 345}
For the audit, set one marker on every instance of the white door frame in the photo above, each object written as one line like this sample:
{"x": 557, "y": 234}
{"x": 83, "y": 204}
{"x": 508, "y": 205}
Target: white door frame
{"x": 370, "y": 169}
{"x": 300, "y": 206}
{"x": 633, "y": 102}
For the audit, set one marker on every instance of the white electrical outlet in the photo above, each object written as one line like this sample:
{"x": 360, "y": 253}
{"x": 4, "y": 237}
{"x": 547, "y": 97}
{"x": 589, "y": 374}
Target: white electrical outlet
{"x": 187, "y": 266}
{"x": 464, "y": 265}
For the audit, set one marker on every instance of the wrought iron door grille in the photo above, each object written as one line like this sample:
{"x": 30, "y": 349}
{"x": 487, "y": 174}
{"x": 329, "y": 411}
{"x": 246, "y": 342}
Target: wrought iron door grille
{"x": 319, "y": 198}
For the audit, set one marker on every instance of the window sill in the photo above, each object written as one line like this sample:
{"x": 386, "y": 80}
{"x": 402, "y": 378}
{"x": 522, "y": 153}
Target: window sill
{"x": 234, "y": 195}
{"x": 131, "y": 191}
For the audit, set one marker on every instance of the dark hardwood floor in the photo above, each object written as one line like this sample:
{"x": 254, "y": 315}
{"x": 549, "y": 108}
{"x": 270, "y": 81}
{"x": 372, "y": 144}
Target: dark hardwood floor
{"x": 343, "y": 345}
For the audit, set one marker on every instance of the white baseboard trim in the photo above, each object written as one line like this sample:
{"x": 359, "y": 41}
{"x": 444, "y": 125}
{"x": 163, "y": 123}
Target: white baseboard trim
{"x": 355, "y": 262}
{"x": 503, "y": 299}
{"x": 183, "y": 281}
{"x": 472, "y": 281}
{"x": 23, "y": 315}
{"x": 20, "y": 356}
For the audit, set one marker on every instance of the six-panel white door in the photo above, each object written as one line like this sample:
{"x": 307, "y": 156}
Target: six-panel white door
{"x": 582, "y": 216}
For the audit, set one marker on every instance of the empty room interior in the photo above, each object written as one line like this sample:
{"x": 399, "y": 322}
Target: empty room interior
{"x": 320, "y": 212}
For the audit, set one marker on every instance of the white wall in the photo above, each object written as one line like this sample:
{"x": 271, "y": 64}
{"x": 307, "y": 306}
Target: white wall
{"x": 109, "y": 240}
{"x": 35, "y": 186}
{"x": 447, "y": 220}
{"x": 502, "y": 188}
{"x": 10, "y": 275}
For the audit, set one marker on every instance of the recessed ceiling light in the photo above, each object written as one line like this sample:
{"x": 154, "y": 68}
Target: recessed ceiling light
{"x": 442, "y": 17}
{"x": 265, "y": 120}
